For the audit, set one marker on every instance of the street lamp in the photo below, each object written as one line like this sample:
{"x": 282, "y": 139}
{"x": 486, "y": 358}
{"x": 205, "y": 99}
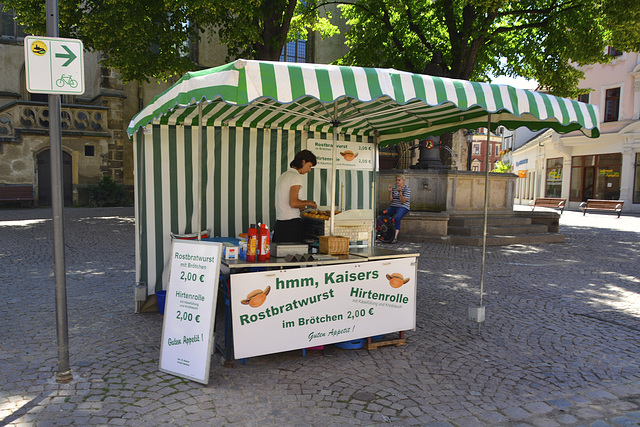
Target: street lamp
{"x": 469, "y": 138}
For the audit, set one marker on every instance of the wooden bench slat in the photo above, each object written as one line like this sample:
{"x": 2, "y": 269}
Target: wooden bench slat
{"x": 602, "y": 205}
{"x": 549, "y": 202}
{"x": 10, "y": 193}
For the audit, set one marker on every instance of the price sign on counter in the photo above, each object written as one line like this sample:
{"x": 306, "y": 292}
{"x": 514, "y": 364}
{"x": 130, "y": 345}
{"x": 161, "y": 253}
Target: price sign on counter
{"x": 189, "y": 314}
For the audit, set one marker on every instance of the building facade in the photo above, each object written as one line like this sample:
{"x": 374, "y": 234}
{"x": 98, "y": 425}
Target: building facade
{"x": 578, "y": 168}
{"x": 478, "y": 150}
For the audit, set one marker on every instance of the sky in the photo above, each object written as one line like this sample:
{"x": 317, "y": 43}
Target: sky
{"x": 518, "y": 82}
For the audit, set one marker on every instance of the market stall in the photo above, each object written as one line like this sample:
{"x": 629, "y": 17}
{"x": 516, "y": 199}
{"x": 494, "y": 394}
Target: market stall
{"x": 209, "y": 149}
{"x": 231, "y": 130}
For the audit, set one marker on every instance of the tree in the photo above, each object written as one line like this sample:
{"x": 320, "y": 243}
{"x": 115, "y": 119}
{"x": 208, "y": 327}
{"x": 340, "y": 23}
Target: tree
{"x": 471, "y": 39}
{"x": 145, "y": 39}
{"x": 502, "y": 167}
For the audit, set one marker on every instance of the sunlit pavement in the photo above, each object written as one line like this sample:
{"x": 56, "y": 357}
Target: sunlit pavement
{"x": 560, "y": 345}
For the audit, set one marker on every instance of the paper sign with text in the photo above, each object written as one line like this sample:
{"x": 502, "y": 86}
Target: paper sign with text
{"x": 285, "y": 310}
{"x": 189, "y": 314}
{"x": 349, "y": 155}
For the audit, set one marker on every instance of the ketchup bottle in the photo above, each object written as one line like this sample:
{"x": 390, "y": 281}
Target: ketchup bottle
{"x": 252, "y": 243}
{"x": 263, "y": 243}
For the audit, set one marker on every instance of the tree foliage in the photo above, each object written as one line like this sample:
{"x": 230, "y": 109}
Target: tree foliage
{"x": 471, "y": 39}
{"x": 502, "y": 167}
{"x": 145, "y": 39}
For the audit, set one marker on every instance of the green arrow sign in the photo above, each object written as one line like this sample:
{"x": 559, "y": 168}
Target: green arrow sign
{"x": 69, "y": 55}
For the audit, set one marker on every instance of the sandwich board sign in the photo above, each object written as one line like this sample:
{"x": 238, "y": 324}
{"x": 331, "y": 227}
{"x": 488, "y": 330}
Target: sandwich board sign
{"x": 189, "y": 314}
{"x": 54, "y": 65}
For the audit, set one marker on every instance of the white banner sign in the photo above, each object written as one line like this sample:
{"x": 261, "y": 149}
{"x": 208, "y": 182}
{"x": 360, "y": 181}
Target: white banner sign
{"x": 285, "y": 310}
{"x": 349, "y": 155}
{"x": 189, "y": 314}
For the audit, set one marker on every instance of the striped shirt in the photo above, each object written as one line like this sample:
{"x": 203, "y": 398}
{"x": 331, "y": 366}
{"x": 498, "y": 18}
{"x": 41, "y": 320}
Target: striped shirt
{"x": 406, "y": 192}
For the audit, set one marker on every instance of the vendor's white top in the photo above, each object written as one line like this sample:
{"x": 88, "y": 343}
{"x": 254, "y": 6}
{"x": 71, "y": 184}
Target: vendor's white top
{"x": 389, "y": 104}
{"x": 284, "y": 211}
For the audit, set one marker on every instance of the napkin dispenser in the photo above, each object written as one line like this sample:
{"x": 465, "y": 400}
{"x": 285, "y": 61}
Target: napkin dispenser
{"x": 281, "y": 250}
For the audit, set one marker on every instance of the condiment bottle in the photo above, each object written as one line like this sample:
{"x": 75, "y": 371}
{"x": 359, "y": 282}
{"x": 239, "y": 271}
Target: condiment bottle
{"x": 263, "y": 243}
{"x": 268, "y": 249}
{"x": 252, "y": 243}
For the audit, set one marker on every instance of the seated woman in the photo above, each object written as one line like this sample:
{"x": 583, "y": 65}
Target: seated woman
{"x": 399, "y": 196}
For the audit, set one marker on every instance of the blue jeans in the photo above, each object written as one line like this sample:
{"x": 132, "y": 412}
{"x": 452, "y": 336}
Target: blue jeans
{"x": 397, "y": 212}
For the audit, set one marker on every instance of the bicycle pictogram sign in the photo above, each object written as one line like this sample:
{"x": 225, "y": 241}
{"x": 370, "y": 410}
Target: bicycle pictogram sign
{"x": 66, "y": 80}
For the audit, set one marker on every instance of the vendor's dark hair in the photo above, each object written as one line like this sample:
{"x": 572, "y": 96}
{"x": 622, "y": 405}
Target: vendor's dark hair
{"x": 305, "y": 155}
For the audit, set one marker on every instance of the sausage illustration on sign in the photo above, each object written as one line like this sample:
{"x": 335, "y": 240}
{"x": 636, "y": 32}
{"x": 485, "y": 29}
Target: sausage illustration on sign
{"x": 396, "y": 280}
{"x": 257, "y": 297}
{"x": 348, "y": 155}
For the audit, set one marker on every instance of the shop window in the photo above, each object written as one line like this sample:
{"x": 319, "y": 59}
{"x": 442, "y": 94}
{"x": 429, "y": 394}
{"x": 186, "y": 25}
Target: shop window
{"x": 596, "y": 177}
{"x": 612, "y": 105}
{"x": 636, "y": 181}
{"x": 294, "y": 52}
{"x": 554, "y": 178}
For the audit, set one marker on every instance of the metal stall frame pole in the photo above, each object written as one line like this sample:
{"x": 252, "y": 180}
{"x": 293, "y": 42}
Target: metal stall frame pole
{"x": 375, "y": 186}
{"x": 486, "y": 205}
{"x": 63, "y": 375}
{"x": 136, "y": 225}
{"x": 335, "y": 123}
{"x": 199, "y": 173}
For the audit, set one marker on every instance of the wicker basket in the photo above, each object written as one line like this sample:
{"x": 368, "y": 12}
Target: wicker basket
{"x": 334, "y": 245}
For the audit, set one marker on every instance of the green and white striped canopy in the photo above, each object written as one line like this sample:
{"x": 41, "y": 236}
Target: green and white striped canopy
{"x": 388, "y": 104}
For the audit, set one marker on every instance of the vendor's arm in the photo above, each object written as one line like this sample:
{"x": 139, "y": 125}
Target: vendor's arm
{"x": 391, "y": 193}
{"x": 295, "y": 202}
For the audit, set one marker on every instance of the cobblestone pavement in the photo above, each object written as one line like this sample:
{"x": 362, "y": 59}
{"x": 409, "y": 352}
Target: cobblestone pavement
{"x": 560, "y": 346}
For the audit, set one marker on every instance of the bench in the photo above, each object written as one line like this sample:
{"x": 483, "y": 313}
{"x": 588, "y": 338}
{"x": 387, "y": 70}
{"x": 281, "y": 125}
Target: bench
{"x": 602, "y": 205}
{"x": 16, "y": 193}
{"x": 548, "y": 202}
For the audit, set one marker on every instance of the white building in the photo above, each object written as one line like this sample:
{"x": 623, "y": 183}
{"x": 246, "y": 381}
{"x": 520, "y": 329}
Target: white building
{"x": 577, "y": 168}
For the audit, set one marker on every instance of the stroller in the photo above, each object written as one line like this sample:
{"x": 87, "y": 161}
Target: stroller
{"x": 385, "y": 228}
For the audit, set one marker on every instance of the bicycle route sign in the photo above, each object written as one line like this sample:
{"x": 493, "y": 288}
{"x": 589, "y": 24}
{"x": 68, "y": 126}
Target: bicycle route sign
{"x": 54, "y": 65}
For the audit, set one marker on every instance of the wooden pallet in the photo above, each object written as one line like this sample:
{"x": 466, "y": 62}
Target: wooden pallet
{"x": 401, "y": 340}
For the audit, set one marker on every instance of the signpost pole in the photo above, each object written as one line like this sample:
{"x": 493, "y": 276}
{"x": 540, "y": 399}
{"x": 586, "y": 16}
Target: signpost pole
{"x": 63, "y": 375}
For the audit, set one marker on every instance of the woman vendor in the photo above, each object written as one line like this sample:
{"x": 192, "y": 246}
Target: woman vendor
{"x": 288, "y": 226}
{"x": 399, "y": 195}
